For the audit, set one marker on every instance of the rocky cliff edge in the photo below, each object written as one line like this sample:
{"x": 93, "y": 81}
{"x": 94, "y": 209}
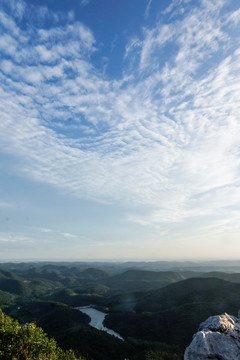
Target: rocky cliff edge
{"x": 218, "y": 338}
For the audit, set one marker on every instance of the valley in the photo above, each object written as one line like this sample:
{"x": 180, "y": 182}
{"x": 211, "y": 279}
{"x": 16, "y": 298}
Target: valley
{"x": 153, "y": 307}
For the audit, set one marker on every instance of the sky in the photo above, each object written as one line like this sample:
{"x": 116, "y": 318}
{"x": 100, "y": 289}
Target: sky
{"x": 119, "y": 129}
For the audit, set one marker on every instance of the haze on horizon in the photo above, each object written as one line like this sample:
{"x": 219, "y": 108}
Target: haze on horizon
{"x": 119, "y": 129}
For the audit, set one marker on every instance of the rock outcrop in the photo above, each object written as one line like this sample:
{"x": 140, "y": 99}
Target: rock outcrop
{"x": 218, "y": 338}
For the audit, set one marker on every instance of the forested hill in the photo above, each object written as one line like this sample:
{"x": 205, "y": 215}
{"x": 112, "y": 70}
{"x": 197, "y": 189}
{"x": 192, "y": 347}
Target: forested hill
{"x": 172, "y": 314}
{"x": 143, "y": 280}
{"x": 222, "y": 293}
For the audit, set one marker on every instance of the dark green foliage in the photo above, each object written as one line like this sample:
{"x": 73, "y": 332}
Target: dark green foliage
{"x": 225, "y": 295}
{"x": 161, "y": 355}
{"x": 174, "y": 327}
{"x": 163, "y": 314}
{"x": 224, "y": 276}
{"x": 143, "y": 275}
{"x": 14, "y": 286}
{"x": 139, "y": 280}
{"x": 25, "y": 287}
{"x": 61, "y": 318}
{"x": 69, "y": 328}
{"x": 156, "y": 355}
{"x": 6, "y": 299}
{"x": 93, "y": 274}
{"x": 92, "y": 289}
{"x": 5, "y": 274}
{"x": 38, "y": 311}
{"x": 71, "y": 298}
{"x": 63, "y": 275}
{"x": 40, "y": 288}
{"x": 28, "y": 342}
{"x": 92, "y": 343}
{"x": 153, "y": 350}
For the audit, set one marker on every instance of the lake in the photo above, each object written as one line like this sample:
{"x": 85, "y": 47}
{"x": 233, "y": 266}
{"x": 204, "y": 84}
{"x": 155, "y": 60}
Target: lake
{"x": 97, "y": 319}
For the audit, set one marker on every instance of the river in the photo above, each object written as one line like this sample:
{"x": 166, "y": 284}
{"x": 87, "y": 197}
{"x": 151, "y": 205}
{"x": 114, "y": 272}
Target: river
{"x": 97, "y": 319}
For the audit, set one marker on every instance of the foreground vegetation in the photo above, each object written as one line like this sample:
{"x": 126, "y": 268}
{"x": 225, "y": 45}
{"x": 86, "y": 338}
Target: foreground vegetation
{"x": 28, "y": 342}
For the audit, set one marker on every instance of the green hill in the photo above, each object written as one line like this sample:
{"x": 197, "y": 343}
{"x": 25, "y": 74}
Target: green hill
{"x": 6, "y": 299}
{"x": 172, "y": 314}
{"x": 195, "y": 290}
{"x": 38, "y": 310}
{"x": 13, "y": 284}
{"x": 6, "y": 274}
{"x": 142, "y": 280}
{"x": 22, "y": 286}
{"x": 233, "y": 277}
{"x": 93, "y": 274}
{"x": 80, "y": 296}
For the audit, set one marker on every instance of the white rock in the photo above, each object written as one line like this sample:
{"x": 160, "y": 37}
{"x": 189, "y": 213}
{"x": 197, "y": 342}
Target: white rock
{"x": 218, "y": 338}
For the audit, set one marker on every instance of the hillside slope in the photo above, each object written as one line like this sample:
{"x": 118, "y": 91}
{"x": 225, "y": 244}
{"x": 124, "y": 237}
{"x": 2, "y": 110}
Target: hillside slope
{"x": 161, "y": 315}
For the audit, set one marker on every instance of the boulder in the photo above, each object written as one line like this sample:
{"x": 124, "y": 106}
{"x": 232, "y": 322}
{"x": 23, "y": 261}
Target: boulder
{"x": 218, "y": 338}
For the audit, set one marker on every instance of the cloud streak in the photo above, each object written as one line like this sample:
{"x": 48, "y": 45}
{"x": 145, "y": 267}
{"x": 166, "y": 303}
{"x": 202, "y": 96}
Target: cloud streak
{"x": 146, "y": 14}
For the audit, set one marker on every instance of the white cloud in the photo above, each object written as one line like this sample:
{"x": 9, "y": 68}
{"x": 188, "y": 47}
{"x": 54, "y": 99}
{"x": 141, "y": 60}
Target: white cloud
{"x": 8, "y": 24}
{"x": 68, "y": 235}
{"x": 45, "y": 230}
{"x": 8, "y": 44}
{"x": 146, "y": 14}
{"x": 164, "y": 137}
{"x": 233, "y": 18}
{"x": 16, "y": 238}
{"x": 83, "y": 3}
{"x": 173, "y": 5}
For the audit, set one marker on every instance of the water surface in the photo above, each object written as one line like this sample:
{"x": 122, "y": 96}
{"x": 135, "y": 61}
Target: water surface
{"x": 97, "y": 319}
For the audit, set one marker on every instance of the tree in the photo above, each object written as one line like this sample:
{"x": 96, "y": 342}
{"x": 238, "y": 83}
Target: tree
{"x": 28, "y": 342}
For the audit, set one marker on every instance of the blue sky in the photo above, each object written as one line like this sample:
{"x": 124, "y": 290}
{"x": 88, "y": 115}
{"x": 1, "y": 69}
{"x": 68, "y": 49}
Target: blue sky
{"x": 119, "y": 129}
